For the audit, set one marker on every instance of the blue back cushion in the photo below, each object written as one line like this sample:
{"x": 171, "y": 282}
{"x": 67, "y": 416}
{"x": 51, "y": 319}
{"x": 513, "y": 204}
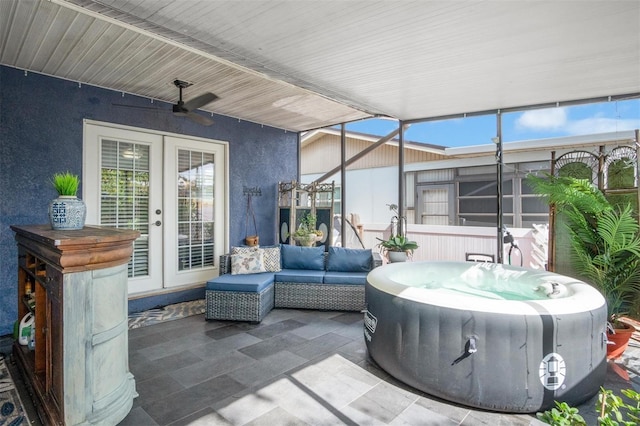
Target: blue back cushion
{"x": 296, "y": 257}
{"x": 349, "y": 260}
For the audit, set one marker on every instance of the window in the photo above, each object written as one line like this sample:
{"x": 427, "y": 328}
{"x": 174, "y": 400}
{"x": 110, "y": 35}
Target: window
{"x": 478, "y": 205}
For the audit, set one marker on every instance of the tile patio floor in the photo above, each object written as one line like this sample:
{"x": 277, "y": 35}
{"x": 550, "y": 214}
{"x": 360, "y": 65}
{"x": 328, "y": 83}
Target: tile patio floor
{"x": 295, "y": 368}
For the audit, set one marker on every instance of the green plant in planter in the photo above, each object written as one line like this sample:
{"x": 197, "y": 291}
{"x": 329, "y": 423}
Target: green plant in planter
{"x": 562, "y": 415}
{"x": 66, "y": 183}
{"x": 604, "y": 239}
{"x": 398, "y": 243}
{"x": 612, "y": 410}
{"x": 308, "y": 226}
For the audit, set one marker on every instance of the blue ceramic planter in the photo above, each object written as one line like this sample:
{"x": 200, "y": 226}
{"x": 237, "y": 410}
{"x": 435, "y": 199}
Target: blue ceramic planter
{"x": 67, "y": 213}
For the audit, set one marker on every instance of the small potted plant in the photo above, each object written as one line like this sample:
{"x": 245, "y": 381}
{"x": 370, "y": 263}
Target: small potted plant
{"x": 307, "y": 235}
{"x": 398, "y": 248}
{"x": 66, "y": 212}
{"x": 605, "y": 247}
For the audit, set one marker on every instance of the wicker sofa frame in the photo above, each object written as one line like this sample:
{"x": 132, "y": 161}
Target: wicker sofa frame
{"x": 253, "y": 306}
{"x": 239, "y": 305}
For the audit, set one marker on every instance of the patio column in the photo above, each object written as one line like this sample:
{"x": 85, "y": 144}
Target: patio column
{"x": 343, "y": 179}
{"x": 401, "y": 184}
{"x": 499, "y": 165}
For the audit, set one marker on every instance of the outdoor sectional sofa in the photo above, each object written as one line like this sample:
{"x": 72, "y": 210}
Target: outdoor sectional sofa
{"x": 253, "y": 281}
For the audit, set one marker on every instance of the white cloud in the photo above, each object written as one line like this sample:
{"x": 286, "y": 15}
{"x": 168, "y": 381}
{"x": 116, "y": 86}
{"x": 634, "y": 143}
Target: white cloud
{"x": 543, "y": 119}
{"x": 557, "y": 120}
{"x": 601, "y": 125}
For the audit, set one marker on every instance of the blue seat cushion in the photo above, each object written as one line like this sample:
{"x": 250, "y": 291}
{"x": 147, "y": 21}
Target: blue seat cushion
{"x": 295, "y": 257}
{"x": 349, "y": 278}
{"x": 299, "y": 276}
{"x": 342, "y": 259}
{"x": 250, "y": 283}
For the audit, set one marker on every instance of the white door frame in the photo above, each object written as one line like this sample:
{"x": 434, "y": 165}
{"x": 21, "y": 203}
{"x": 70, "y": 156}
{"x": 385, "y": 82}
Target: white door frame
{"x": 91, "y": 179}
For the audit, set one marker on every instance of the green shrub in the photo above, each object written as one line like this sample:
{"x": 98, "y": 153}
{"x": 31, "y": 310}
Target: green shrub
{"x": 612, "y": 410}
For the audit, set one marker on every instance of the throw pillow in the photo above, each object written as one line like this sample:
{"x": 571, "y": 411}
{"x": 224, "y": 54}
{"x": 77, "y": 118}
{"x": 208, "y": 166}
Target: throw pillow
{"x": 247, "y": 263}
{"x": 271, "y": 259}
{"x": 349, "y": 260}
{"x": 242, "y": 250}
{"x": 271, "y": 255}
{"x": 296, "y": 257}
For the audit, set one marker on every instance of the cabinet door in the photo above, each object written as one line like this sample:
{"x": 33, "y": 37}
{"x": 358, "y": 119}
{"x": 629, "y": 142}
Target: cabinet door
{"x": 55, "y": 373}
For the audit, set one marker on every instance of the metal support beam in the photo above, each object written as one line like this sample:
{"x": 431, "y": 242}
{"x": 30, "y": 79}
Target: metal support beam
{"x": 358, "y": 156}
{"x": 499, "y": 166}
{"x": 637, "y": 141}
{"x": 401, "y": 184}
{"x": 343, "y": 179}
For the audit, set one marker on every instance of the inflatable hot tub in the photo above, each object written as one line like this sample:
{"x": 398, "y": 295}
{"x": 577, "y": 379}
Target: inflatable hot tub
{"x": 487, "y": 335}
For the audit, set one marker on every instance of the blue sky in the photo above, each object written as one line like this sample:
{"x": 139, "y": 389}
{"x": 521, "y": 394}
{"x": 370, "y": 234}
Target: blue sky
{"x": 533, "y": 124}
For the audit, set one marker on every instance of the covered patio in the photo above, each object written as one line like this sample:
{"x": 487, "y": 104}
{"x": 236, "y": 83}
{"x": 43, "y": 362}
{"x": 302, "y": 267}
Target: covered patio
{"x": 277, "y": 69}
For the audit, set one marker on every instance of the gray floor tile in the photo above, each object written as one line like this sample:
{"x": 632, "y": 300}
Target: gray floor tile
{"x": 226, "y": 331}
{"x": 173, "y": 362}
{"x": 213, "y": 367}
{"x": 184, "y": 403}
{"x": 220, "y": 347}
{"x": 156, "y": 388}
{"x": 316, "y": 329}
{"x": 267, "y": 369}
{"x": 145, "y": 340}
{"x": 205, "y": 417}
{"x": 273, "y": 345}
{"x": 452, "y": 411}
{"x": 327, "y": 343}
{"x": 138, "y": 417}
{"x": 418, "y": 415}
{"x": 275, "y": 329}
{"x": 384, "y": 402}
{"x": 348, "y": 317}
{"x": 277, "y": 416}
{"x": 296, "y": 367}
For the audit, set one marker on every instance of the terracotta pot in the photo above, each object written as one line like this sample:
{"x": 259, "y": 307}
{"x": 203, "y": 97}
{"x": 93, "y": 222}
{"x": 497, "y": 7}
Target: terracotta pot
{"x": 620, "y": 341}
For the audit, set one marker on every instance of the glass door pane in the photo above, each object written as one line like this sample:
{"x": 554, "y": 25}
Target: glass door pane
{"x": 194, "y": 199}
{"x": 196, "y": 190}
{"x": 122, "y": 187}
{"x": 124, "y": 199}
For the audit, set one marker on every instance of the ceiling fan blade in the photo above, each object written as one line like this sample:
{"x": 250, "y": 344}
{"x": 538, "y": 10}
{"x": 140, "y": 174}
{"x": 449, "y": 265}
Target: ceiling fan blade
{"x": 199, "y": 119}
{"x": 199, "y": 101}
{"x": 147, "y": 108}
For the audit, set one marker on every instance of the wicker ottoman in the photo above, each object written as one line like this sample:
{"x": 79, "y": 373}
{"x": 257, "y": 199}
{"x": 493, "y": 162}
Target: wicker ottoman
{"x": 239, "y": 297}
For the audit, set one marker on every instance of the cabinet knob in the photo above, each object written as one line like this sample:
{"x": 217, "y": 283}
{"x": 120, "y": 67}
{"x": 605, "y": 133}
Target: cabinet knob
{"x": 49, "y": 279}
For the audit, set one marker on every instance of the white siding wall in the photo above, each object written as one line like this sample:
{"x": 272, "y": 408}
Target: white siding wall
{"x": 453, "y": 242}
{"x": 368, "y": 192}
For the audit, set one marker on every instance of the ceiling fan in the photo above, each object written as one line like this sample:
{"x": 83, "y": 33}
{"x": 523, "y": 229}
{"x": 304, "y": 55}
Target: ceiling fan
{"x": 186, "y": 109}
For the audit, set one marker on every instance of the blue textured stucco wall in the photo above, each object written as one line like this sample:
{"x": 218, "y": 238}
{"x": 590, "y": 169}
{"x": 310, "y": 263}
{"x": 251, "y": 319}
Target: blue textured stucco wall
{"x": 41, "y": 123}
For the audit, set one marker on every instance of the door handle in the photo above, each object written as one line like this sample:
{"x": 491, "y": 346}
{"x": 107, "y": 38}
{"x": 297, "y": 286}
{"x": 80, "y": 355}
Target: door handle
{"x": 156, "y": 223}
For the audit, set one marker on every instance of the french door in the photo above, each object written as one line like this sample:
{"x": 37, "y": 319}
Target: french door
{"x": 170, "y": 188}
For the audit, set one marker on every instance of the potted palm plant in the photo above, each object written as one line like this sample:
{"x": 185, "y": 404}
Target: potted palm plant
{"x": 605, "y": 246}
{"x": 67, "y": 211}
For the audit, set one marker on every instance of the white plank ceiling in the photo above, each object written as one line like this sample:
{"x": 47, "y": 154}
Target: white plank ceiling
{"x": 301, "y": 65}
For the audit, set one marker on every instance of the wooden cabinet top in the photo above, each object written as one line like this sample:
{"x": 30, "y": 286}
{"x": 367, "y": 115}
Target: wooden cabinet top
{"x": 93, "y": 247}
